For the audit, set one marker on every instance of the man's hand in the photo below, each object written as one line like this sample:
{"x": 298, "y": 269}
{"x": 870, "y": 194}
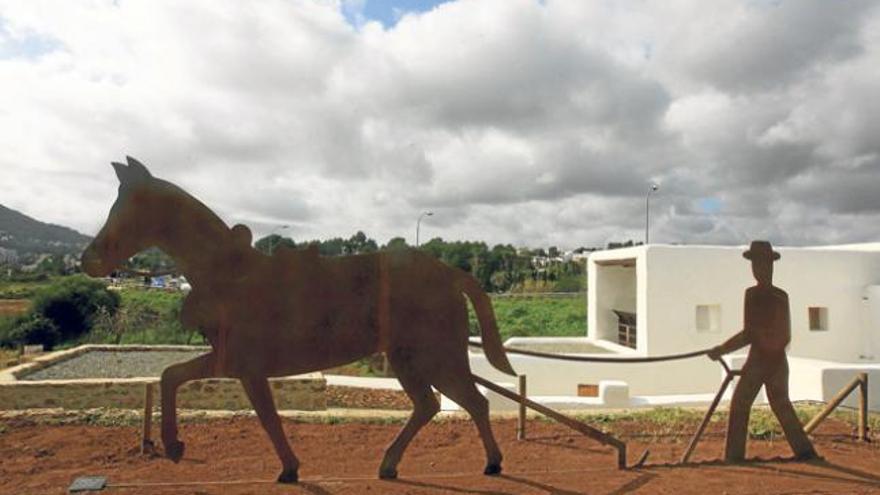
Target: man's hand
{"x": 716, "y": 353}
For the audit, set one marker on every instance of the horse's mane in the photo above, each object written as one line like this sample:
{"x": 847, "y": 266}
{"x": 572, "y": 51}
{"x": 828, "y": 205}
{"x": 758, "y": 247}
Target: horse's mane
{"x": 190, "y": 205}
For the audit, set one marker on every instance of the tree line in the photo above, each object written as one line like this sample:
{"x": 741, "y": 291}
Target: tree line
{"x": 501, "y": 268}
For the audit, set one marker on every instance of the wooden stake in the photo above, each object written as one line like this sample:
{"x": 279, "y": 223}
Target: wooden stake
{"x": 863, "y": 407}
{"x": 146, "y": 441}
{"x": 814, "y": 423}
{"x": 521, "y": 422}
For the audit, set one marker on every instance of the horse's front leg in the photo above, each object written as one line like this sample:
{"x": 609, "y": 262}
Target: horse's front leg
{"x": 172, "y": 378}
{"x": 258, "y": 391}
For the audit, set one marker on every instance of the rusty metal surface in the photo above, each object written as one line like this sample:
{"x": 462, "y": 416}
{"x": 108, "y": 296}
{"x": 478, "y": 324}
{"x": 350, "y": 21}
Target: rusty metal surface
{"x": 294, "y": 311}
{"x": 767, "y": 332}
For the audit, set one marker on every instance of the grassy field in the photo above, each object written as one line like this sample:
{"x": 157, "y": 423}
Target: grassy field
{"x": 538, "y": 316}
{"x": 144, "y": 317}
{"x": 151, "y": 316}
{"x": 21, "y": 290}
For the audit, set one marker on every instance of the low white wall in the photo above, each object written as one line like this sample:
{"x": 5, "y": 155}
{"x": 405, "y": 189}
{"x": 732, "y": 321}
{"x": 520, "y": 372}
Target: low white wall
{"x": 550, "y": 377}
{"x": 809, "y": 379}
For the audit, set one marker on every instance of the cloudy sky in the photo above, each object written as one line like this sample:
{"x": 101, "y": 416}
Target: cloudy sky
{"x": 515, "y": 121}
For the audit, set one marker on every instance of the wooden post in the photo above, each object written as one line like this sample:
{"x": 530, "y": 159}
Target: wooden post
{"x": 146, "y": 440}
{"x": 833, "y": 404}
{"x": 863, "y": 407}
{"x": 521, "y": 421}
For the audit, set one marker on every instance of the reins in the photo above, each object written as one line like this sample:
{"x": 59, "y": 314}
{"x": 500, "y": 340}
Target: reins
{"x": 597, "y": 359}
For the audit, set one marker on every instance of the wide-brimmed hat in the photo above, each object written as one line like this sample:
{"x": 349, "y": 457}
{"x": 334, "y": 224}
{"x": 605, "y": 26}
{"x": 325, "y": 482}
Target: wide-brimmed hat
{"x": 761, "y": 249}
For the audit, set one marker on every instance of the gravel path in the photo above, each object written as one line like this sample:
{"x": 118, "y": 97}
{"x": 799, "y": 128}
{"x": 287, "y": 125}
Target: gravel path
{"x": 112, "y": 364}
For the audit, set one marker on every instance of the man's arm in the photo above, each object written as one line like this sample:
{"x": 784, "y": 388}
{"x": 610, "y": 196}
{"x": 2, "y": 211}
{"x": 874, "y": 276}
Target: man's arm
{"x": 741, "y": 339}
{"x": 734, "y": 343}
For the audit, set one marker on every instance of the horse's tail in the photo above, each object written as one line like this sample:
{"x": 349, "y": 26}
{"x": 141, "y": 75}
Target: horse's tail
{"x": 488, "y": 326}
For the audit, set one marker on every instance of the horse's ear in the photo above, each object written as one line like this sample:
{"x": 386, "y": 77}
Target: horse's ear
{"x": 137, "y": 169}
{"x": 121, "y": 172}
{"x": 132, "y": 173}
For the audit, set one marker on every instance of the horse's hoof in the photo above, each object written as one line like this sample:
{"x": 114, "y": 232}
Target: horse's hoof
{"x": 174, "y": 450}
{"x": 288, "y": 476}
{"x": 388, "y": 474}
{"x": 492, "y": 469}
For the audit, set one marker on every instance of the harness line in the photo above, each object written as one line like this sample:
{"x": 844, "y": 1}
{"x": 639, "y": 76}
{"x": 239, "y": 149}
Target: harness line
{"x": 591, "y": 359}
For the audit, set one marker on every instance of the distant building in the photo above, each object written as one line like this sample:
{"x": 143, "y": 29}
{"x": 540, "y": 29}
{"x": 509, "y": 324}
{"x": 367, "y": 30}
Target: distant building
{"x": 690, "y": 297}
{"x": 8, "y": 257}
{"x": 658, "y": 300}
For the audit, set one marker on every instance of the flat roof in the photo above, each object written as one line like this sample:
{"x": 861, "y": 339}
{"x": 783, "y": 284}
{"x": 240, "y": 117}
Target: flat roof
{"x": 622, "y": 256}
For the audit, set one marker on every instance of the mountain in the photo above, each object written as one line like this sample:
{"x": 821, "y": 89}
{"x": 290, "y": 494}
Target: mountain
{"x": 30, "y": 238}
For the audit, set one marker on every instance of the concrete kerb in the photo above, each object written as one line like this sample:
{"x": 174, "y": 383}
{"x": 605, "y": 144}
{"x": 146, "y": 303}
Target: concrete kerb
{"x": 304, "y": 392}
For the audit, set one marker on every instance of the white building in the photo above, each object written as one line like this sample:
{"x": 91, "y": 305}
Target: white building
{"x": 658, "y": 299}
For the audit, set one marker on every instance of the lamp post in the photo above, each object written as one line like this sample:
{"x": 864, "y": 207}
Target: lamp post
{"x": 653, "y": 189}
{"x": 274, "y": 240}
{"x": 419, "y": 223}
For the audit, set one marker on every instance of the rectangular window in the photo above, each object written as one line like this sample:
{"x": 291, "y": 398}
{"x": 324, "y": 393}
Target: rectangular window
{"x": 818, "y": 318}
{"x": 708, "y": 318}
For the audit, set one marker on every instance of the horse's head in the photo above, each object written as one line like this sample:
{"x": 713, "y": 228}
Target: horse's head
{"x": 130, "y": 226}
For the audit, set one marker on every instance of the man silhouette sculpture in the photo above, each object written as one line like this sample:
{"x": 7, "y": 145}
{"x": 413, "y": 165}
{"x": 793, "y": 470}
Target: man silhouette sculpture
{"x": 767, "y": 328}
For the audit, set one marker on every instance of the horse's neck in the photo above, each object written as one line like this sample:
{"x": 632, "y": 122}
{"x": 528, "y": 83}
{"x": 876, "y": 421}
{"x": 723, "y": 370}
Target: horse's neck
{"x": 198, "y": 243}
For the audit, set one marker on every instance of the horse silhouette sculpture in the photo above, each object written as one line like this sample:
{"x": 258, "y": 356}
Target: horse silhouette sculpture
{"x": 295, "y": 312}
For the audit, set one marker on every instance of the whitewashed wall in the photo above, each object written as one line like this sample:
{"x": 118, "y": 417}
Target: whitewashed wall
{"x": 547, "y": 377}
{"x": 673, "y": 280}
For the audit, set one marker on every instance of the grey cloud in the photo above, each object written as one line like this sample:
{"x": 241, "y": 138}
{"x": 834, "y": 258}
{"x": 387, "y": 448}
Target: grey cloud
{"x": 849, "y": 192}
{"x": 522, "y": 122}
{"x": 765, "y": 45}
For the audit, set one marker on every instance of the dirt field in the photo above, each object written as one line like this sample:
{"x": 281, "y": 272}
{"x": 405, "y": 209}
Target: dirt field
{"x": 233, "y": 456}
{"x": 14, "y": 307}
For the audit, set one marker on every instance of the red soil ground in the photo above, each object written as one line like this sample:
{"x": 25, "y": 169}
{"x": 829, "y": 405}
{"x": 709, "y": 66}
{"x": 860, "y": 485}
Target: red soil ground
{"x": 445, "y": 458}
{"x": 14, "y": 307}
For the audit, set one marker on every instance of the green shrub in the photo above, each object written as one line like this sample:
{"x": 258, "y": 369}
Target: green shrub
{"x": 33, "y": 329}
{"x": 571, "y": 283}
{"x": 537, "y": 317}
{"x": 144, "y": 317}
{"x": 7, "y": 323}
{"x": 71, "y": 304}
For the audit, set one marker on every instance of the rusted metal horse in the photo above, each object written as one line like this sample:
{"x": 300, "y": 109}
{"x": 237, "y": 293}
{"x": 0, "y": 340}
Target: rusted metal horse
{"x": 296, "y": 312}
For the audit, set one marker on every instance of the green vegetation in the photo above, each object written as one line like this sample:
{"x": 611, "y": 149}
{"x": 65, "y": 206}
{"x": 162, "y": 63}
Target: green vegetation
{"x": 34, "y": 329}
{"x": 21, "y": 287}
{"x": 503, "y": 268}
{"x": 83, "y": 311}
{"x": 62, "y": 311}
{"x": 144, "y": 317}
{"x": 537, "y": 316}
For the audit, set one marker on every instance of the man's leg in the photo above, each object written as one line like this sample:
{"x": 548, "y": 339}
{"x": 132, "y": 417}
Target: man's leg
{"x": 777, "y": 395}
{"x": 740, "y": 408}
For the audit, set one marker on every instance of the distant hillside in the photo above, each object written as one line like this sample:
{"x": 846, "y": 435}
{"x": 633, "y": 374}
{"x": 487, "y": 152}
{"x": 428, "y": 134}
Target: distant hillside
{"x": 30, "y": 237}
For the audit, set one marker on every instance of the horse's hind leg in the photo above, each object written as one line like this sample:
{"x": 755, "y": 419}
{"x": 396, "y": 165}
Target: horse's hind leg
{"x": 425, "y": 406}
{"x": 260, "y": 395}
{"x": 460, "y": 388}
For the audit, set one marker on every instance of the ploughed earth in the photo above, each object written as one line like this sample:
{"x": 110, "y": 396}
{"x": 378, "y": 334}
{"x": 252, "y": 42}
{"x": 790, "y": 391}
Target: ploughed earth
{"x": 232, "y": 455}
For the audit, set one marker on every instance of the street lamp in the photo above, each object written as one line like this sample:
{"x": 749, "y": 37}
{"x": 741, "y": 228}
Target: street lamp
{"x": 274, "y": 241}
{"x": 419, "y": 223}
{"x": 653, "y": 189}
